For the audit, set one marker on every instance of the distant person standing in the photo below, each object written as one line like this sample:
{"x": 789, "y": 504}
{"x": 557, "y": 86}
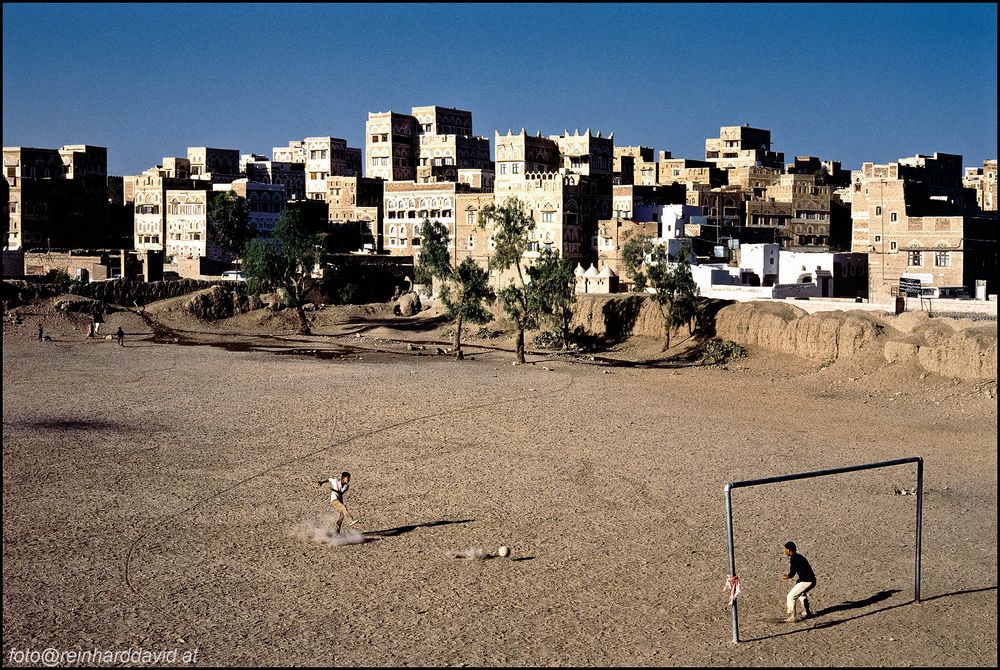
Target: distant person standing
{"x": 806, "y": 580}
{"x": 120, "y": 335}
{"x": 98, "y": 318}
{"x": 340, "y": 486}
{"x": 41, "y": 333}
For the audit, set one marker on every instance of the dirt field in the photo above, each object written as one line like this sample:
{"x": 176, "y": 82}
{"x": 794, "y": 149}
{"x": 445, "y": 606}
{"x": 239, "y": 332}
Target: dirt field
{"x": 154, "y": 496}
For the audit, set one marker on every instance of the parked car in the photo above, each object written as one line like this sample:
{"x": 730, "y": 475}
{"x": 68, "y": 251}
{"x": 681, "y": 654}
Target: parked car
{"x": 234, "y": 275}
{"x": 169, "y": 275}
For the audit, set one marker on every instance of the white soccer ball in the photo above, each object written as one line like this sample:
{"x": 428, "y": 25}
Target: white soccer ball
{"x": 504, "y": 551}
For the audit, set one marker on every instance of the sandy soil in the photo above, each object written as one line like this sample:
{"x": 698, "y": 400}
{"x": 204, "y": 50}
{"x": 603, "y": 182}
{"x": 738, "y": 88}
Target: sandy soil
{"x": 165, "y": 495}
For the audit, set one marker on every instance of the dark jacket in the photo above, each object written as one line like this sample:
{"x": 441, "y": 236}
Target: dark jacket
{"x": 798, "y": 565}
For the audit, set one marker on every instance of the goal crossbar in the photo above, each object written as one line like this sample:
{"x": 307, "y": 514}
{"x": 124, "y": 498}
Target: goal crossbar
{"x": 728, "y": 488}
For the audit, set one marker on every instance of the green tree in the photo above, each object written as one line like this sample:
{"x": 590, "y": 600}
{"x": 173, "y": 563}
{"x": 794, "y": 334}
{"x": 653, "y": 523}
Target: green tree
{"x": 228, "y": 226}
{"x": 553, "y": 291}
{"x": 435, "y": 259}
{"x": 285, "y": 262}
{"x": 634, "y": 253}
{"x": 512, "y": 225}
{"x": 464, "y": 289}
{"x": 675, "y": 289}
{"x": 463, "y": 297}
{"x": 685, "y": 288}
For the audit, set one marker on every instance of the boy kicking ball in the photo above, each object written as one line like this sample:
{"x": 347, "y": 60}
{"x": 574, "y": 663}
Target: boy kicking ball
{"x": 340, "y": 486}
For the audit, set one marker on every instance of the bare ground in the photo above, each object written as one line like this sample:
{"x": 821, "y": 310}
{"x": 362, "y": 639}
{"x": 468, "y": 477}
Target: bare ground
{"x": 155, "y": 496}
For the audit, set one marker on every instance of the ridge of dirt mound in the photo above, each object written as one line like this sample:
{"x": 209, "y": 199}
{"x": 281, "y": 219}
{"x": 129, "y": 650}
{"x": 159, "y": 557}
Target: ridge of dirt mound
{"x": 957, "y": 348}
{"x": 218, "y": 303}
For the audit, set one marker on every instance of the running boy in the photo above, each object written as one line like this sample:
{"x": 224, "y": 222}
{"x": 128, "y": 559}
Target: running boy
{"x": 798, "y": 565}
{"x": 340, "y": 486}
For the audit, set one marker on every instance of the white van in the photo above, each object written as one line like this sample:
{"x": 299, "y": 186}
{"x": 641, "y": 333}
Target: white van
{"x": 234, "y": 275}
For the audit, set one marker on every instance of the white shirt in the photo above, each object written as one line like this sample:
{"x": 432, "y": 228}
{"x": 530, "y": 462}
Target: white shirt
{"x": 339, "y": 489}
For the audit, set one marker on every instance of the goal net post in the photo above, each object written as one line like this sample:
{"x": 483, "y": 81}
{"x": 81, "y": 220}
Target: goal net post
{"x": 728, "y": 488}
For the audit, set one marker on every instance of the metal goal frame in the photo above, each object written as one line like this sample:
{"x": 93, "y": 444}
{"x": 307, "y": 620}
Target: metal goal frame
{"x": 728, "y": 489}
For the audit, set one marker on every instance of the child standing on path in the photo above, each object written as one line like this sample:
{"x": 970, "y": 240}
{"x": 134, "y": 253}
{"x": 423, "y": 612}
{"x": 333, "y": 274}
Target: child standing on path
{"x": 798, "y": 565}
{"x": 340, "y": 486}
{"x": 121, "y": 337}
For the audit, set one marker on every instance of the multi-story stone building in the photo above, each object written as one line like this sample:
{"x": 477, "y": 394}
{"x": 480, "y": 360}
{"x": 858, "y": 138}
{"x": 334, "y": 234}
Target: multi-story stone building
{"x": 356, "y": 211}
{"x": 216, "y": 165}
{"x": 320, "y": 157}
{"x": 640, "y": 203}
{"x": 445, "y": 144}
{"x": 148, "y": 194}
{"x": 561, "y": 205}
{"x": 687, "y": 171}
{"x": 434, "y": 120}
{"x": 719, "y": 227}
{"x": 58, "y": 197}
{"x": 186, "y": 221}
{"x": 521, "y": 154}
{"x": 442, "y": 156}
{"x": 565, "y": 182}
{"x": 295, "y": 152}
{"x": 328, "y": 157}
{"x": 587, "y": 154}
{"x": 797, "y": 208}
{"x": 754, "y": 179}
{"x": 409, "y": 205}
{"x": 984, "y": 181}
{"x": 665, "y": 223}
{"x": 291, "y": 176}
{"x": 743, "y": 146}
{"x": 391, "y": 146}
{"x": 429, "y": 145}
{"x": 914, "y": 219}
{"x": 611, "y": 236}
{"x": 265, "y": 203}
{"x": 635, "y": 165}
{"x": 828, "y": 173}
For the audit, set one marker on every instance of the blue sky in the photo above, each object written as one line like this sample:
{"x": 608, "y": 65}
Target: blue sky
{"x": 855, "y": 83}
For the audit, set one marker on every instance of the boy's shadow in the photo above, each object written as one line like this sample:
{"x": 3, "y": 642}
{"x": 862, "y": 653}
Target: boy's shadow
{"x": 394, "y": 532}
{"x": 855, "y": 604}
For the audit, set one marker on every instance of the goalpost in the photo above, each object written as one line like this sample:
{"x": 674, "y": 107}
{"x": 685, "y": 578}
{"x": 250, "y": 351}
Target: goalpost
{"x": 728, "y": 488}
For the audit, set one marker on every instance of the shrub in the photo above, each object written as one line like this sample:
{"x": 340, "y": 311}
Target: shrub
{"x": 715, "y": 352}
{"x": 547, "y": 340}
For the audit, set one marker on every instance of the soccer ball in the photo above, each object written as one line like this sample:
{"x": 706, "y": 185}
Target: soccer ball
{"x": 504, "y": 551}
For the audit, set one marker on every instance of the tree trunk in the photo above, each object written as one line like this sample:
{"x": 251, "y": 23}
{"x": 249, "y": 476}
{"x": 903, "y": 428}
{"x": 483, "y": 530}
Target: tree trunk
{"x": 666, "y": 328}
{"x": 458, "y": 337}
{"x": 519, "y": 347}
{"x": 295, "y": 292}
{"x": 303, "y": 320}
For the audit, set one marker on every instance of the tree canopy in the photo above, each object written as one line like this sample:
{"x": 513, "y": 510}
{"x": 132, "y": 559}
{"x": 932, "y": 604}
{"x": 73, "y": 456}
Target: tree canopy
{"x": 511, "y": 225}
{"x": 648, "y": 266}
{"x": 434, "y": 259}
{"x": 465, "y": 288}
{"x": 228, "y": 226}
{"x": 553, "y": 292}
{"x": 285, "y": 263}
